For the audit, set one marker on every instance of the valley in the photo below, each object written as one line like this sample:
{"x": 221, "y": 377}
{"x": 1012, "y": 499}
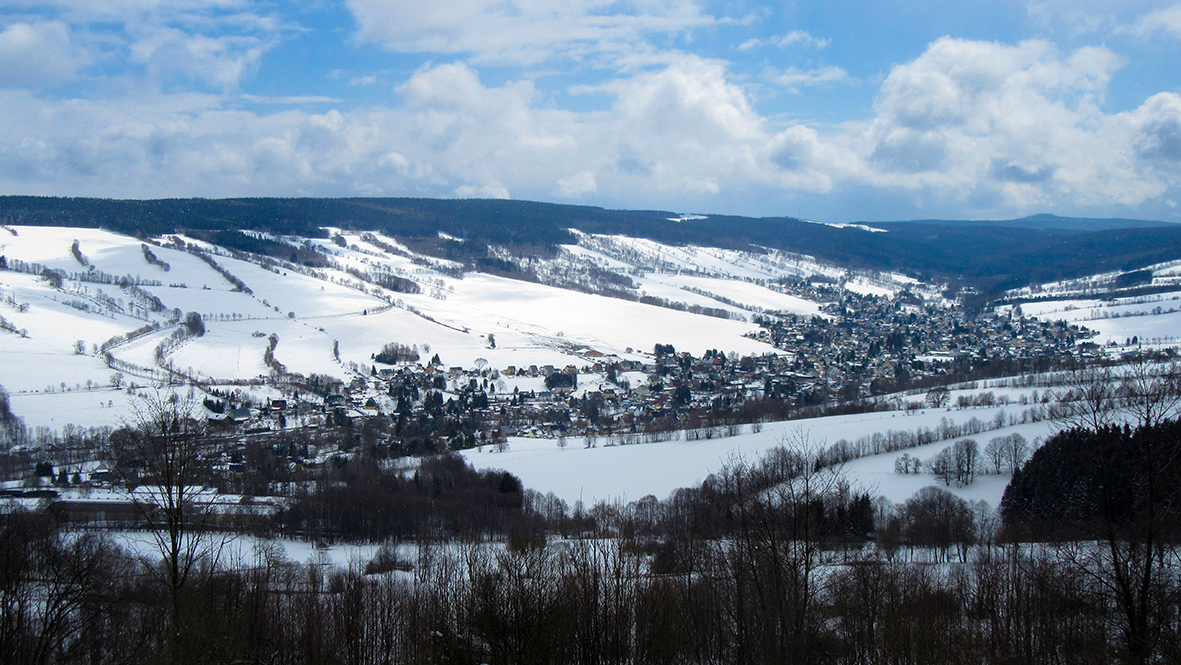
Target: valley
{"x": 549, "y": 360}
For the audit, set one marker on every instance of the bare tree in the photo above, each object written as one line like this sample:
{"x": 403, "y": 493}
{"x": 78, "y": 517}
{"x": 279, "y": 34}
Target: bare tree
{"x": 937, "y": 518}
{"x": 1087, "y": 398}
{"x": 1150, "y": 392}
{"x": 1141, "y": 392}
{"x": 938, "y": 397}
{"x": 941, "y": 466}
{"x": 1014, "y": 451}
{"x": 780, "y": 537}
{"x": 165, "y": 458}
{"x": 1130, "y": 550}
{"x": 964, "y": 456}
{"x": 994, "y": 453}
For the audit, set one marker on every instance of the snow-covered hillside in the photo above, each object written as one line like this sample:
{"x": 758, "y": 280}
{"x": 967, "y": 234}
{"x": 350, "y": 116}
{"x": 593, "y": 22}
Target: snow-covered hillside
{"x": 88, "y": 314}
{"x": 1144, "y": 305}
{"x": 329, "y": 320}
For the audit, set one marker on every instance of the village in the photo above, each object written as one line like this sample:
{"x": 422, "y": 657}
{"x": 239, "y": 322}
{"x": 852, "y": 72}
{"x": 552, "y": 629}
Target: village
{"x": 864, "y": 347}
{"x": 862, "y": 353}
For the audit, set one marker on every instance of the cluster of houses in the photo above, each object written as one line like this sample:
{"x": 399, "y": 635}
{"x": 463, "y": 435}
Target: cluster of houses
{"x": 862, "y": 345}
{"x": 867, "y": 344}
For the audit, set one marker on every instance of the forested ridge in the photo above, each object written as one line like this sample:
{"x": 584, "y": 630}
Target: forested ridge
{"x": 990, "y": 256}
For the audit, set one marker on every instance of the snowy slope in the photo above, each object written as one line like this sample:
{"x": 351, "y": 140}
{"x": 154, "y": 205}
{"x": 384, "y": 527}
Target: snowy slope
{"x": 1153, "y": 319}
{"x": 629, "y": 472}
{"x": 311, "y": 312}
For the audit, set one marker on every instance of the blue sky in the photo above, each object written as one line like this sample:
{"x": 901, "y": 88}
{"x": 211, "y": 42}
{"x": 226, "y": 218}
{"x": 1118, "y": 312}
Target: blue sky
{"x": 837, "y": 110}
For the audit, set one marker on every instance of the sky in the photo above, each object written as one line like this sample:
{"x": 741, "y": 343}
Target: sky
{"x": 836, "y": 111}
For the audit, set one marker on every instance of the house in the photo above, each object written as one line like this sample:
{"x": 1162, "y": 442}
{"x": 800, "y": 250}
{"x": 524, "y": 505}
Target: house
{"x": 102, "y": 474}
{"x": 238, "y": 415}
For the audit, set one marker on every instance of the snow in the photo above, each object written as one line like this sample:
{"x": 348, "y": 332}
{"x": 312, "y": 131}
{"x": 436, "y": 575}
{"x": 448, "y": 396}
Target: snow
{"x": 532, "y": 324}
{"x": 859, "y": 227}
{"x": 1153, "y": 319}
{"x": 244, "y": 550}
{"x": 628, "y": 472}
{"x": 87, "y": 407}
{"x": 739, "y": 291}
{"x": 224, "y": 352}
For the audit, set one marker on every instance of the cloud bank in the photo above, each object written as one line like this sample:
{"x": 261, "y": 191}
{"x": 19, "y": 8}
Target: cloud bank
{"x": 965, "y": 125}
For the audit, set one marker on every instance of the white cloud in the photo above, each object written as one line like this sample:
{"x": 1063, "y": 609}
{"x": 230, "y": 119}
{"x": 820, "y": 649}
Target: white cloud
{"x": 296, "y": 99}
{"x": 1019, "y": 124}
{"x": 1167, "y": 20}
{"x": 220, "y": 61}
{"x": 1157, "y": 124}
{"x": 806, "y": 162}
{"x": 792, "y": 38}
{"x": 481, "y": 192}
{"x": 37, "y": 54}
{"x": 577, "y": 185}
{"x": 793, "y": 78}
{"x": 522, "y": 31}
{"x": 215, "y": 43}
{"x": 681, "y": 130}
{"x": 994, "y": 126}
{"x": 127, "y": 10}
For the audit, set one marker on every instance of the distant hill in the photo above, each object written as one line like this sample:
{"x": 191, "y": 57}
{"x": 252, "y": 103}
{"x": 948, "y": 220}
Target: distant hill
{"x": 1044, "y": 222}
{"x": 989, "y": 256}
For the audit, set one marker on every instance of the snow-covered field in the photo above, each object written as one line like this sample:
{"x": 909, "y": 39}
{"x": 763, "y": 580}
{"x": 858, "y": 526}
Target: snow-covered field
{"x": 628, "y": 472}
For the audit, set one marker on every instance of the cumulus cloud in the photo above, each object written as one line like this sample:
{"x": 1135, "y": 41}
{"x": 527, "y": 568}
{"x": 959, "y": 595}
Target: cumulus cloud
{"x": 203, "y": 13}
{"x": 1019, "y": 124}
{"x": 215, "y": 43}
{"x": 680, "y": 130}
{"x": 1000, "y": 126}
{"x": 577, "y": 185}
{"x": 37, "y": 54}
{"x": 521, "y": 31}
{"x": 1157, "y": 125}
{"x": 805, "y": 161}
{"x": 220, "y": 61}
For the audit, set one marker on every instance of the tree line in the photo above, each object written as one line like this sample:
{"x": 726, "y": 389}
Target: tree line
{"x": 765, "y": 563}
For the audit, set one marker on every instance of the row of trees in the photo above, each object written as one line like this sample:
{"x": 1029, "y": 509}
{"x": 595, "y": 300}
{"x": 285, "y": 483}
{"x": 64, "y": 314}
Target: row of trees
{"x": 959, "y": 463}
